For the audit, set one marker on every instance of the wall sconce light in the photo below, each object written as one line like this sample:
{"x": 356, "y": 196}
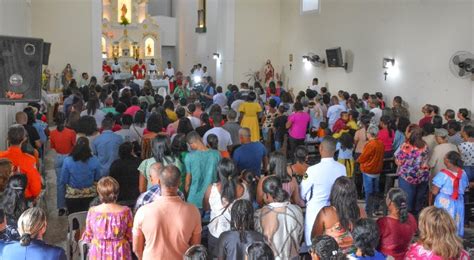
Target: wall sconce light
{"x": 387, "y": 64}
{"x": 313, "y": 58}
{"x": 216, "y": 55}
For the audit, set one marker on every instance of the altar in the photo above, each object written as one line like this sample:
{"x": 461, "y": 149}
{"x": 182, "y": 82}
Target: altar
{"x": 129, "y": 33}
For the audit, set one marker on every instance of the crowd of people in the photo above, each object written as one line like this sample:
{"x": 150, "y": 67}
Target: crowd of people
{"x": 250, "y": 172}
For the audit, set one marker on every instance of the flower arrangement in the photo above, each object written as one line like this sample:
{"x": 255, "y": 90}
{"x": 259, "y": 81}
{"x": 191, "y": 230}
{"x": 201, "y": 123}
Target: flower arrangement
{"x": 124, "y": 21}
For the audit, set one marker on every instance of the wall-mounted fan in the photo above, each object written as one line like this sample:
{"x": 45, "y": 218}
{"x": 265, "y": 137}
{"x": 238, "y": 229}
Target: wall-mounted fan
{"x": 461, "y": 64}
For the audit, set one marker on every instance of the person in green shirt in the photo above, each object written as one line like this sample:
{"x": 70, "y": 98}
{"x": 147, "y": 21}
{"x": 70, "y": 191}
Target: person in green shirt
{"x": 109, "y": 102}
{"x": 201, "y": 169}
{"x": 181, "y": 91}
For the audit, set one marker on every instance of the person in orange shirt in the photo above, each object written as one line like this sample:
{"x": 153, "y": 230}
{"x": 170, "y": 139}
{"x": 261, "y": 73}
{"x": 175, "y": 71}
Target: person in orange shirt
{"x": 23, "y": 162}
{"x": 63, "y": 140}
{"x": 371, "y": 164}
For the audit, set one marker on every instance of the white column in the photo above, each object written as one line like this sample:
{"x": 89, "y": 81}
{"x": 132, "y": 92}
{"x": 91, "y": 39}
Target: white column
{"x": 96, "y": 32}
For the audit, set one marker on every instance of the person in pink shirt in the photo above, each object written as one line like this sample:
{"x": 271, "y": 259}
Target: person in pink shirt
{"x": 386, "y": 135}
{"x": 438, "y": 239}
{"x": 134, "y": 108}
{"x": 297, "y": 126}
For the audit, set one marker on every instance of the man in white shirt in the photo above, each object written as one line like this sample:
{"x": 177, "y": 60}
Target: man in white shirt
{"x": 116, "y": 68}
{"x": 314, "y": 85}
{"x": 375, "y": 110}
{"x": 195, "y": 122}
{"x": 169, "y": 71}
{"x": 317, "y": 183}
{"x": 220, "y": 98}
{"x": 204, "y": 72}
{"x": 223, "y": 137}
{"x": 152, "y": 68}
{"x": 334, "y": 111}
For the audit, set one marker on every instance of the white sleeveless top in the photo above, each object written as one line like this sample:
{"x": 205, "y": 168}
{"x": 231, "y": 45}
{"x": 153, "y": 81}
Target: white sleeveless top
{"x": 220, "y": 220}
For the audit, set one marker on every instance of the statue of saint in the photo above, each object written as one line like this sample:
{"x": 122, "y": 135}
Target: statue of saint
{"x": 148, "y": 48}
{"x": 269, "y": 72}
{"x": 124, "y": 10}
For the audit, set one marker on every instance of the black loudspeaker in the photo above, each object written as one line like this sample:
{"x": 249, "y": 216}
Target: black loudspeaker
{"x": 21, "y": 62}
{"x": 46, "y": 50}
{"x": 334, "y": 58}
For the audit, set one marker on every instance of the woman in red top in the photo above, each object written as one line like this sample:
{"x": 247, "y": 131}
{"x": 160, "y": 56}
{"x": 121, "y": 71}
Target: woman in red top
{"x": 387, "y": 135}
{"x": 398, "y": 227}
{"x": 63, "y": 140}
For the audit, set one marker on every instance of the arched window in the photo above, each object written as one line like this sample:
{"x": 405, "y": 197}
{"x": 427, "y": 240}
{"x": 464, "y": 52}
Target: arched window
{"x": 149, "y": 47}
{"x": 124, "y": 11}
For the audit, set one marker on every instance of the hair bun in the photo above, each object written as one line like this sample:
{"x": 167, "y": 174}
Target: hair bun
{"x": 25, "y": 239}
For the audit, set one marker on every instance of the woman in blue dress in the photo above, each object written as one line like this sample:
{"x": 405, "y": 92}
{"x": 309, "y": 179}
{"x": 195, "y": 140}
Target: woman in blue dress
{"x": 449, "y": 185}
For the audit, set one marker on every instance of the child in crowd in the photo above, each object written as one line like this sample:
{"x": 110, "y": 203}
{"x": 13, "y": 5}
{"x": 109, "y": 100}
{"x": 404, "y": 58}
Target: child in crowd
{"x": 352, "y": 123}
{"x": 325, "y": 247}
{"x": 279, "y": 124}
{"x": 267, "y": 120}
{"x": 323, "y": 130}
{"x": 316, "y": 114}
{"x": 449, "y": 185}
{"x": 341, "y": 125}
{"x": 345, "y": 149}
{"x": 386, "y": 135}
{"x": 466, "y": 149}
{"x": 366, "y": 239}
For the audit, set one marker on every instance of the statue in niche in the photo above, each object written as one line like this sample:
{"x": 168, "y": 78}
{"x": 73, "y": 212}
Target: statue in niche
{"x": 148, "y": 49}
{"x": 124, "y": 10}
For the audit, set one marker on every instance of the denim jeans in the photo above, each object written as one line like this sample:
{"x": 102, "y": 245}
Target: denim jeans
{"x": 60, "y": 189}
{"x": 416, "y": 195}
{"x": 470, "y": 172}
{"x": 277, "y": 145}
{"x": 371, "y": 188}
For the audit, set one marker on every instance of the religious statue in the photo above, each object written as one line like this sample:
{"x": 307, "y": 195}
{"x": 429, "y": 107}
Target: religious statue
{"x": 124, "y": 10}
{"x": 46, "y": 78}
{"x": 123, "y": 18}
{"x": 67, "y": 75}
{"x": 269, "y": 72}
{"x": 148, "y": 49}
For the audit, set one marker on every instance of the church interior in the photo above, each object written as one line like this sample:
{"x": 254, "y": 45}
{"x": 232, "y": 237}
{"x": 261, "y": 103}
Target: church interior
{"x": 421, "y": 50}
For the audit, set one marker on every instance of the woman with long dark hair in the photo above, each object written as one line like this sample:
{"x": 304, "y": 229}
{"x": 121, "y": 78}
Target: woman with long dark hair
{"x": 413, "y": 169}
{"x": 63, "y": 140}
{"x": 93, "y": 109}
{"x": 161, "y": 153}
{"x": 79, "y": 174}
{"x": 281, "y": 222}
{"x": 402, "y": 124}
{"x": 337, "y": 220}
{"x": 87, "y": 127}
{"x": 387, "y": 135}
{"x": 232, "y": 244}
{"x": 298, "y": 169}
{"x": 219, "y": 198}
{"x": 154, "y": 128}
{"x": 277, "y": 166}
{"x": 449, "y": 185}
{"x": 398, "y": 227}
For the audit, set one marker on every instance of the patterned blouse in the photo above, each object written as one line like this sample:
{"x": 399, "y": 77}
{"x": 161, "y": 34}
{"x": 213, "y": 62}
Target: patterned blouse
{"x": 413, "y": 163}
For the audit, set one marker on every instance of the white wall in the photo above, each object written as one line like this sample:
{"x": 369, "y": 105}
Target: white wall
{"x": 420, "y": 35}
{"x": 168, "y": 31}
{"x": 15, "y": 20}
{"x": 68, "y": 25}
{"x": 160, "y": 7}
{"x": 257, "y": 36}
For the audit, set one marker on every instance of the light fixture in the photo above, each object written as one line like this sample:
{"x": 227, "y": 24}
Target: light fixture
{"x": 388, "y": 63}
{"x": 104, "y": 55}
{"x": 216, "y": 55}
{"x": 313, "y": 58}
{"x": 197, "y": 79}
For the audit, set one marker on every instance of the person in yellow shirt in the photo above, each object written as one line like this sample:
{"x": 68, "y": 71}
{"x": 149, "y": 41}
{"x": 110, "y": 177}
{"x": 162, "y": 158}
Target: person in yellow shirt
{"x": 249, "y": 116}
